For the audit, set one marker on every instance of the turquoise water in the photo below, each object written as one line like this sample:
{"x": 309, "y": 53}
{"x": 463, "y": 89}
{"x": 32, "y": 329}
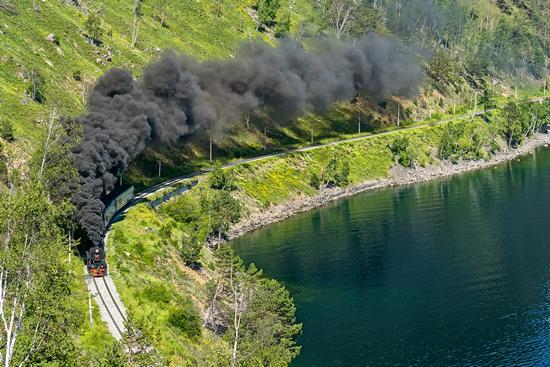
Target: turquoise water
{"x": 446, "y": 273}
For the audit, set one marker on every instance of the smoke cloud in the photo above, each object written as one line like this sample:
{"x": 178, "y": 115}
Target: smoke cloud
{"x": 179, "y": 96}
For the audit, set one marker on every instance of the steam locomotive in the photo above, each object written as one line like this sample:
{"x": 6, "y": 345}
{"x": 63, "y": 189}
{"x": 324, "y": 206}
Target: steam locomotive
{"x": 96, "y": 263}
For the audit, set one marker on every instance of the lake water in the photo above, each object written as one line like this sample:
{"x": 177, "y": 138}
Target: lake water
{"x": 454, "y": 272}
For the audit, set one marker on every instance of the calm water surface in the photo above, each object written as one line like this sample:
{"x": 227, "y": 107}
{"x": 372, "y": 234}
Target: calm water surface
{"x": 447, "y": 273}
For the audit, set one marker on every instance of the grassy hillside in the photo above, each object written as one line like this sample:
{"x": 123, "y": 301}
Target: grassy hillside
{"x": 67, "y": 62}
{"x": 50, "y": 53}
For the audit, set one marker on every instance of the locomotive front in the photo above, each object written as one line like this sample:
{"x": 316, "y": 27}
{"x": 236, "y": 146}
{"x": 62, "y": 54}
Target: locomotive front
{"x": 95, "y": 262}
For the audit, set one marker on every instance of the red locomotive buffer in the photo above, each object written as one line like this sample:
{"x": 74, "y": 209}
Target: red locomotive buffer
{"x": 95, "y": 262}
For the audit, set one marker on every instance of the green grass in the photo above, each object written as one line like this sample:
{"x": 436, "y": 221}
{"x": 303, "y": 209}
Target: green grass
{"x": 196, "y": 28}
{"x": 154, "y": 284}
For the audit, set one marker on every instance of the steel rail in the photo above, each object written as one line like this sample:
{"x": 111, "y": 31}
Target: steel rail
{"x": 107, "y": 308}
{"x": 114, "y": 300}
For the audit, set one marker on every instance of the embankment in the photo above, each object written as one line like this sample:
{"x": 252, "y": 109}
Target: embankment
{"x": 399, "y": 175}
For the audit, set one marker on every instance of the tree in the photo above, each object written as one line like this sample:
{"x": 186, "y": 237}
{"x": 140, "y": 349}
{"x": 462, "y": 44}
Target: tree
{"x": 141, "y": 353}
{"x": 190, "y": 250}
{"x": 52, "y": 161}
{"x": 315, "y": 181}
{"x": 269, "y": 327}
{"x": 221, "y": 209}
{"x": 336, "y": 173}
{"x": 3, "y": 169}
{"x": 516, "y": 123}
{"x": 340, "y": 14}
{"x": 487, "y": 99}
{"x": 365, "y": 19}
{"x": 267, "y": 12}
{"x": 137, "y": 18}
{"x": 282, "y": 22}
{"x": 262, "y": 326}
{"x": 34, "y": 283}
{"x": 94, "y": 31}
{"x": 36, "y": 89}
{"x": 6, "y": 131}
{"x": 443, "y": 69}
{"x": 221, "y": 179}
{"x": 160, "y": 12}
{"x": 409, "y": 152}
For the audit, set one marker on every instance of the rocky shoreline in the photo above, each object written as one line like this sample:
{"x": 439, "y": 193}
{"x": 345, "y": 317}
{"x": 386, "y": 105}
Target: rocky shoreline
{"x": 398, "y": 176}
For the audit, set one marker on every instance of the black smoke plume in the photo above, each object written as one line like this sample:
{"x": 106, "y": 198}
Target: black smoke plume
{"x": 179, "y": 95}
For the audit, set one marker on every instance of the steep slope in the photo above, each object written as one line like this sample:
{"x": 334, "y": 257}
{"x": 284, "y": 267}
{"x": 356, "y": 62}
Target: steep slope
{"x": 49, "y": 59}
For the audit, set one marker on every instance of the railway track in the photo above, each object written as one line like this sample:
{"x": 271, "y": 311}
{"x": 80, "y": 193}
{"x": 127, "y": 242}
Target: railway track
{"x": 110, "y": 306}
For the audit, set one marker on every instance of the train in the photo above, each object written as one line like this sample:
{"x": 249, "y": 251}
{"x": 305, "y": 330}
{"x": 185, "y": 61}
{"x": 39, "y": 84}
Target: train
{"x": 95, "y": 257}
{"x": 116, "y": 204}
{"x": 96, "y": 262}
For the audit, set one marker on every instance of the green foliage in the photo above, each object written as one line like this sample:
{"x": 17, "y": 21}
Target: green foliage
{"x": 113, "y": 355}
{"x": 522, "y": 119}
{"x": 35, "y": 90}
{"x": 6, "y": 131}
{"x": 336, "y": 173}
{"x": 161, "y": 12}
{"x": 365, "y": 19}
{"x": 190, "y": 252}
{"x": 267, "y": 11}
{"x": 221, "y": 179}
{"x": 315, "y": 181}
{"x": 220, "y": 209}
{"x": 157, "y": 293}
{"x": 409, "y": 152}
{"x": 186, "y": 320}
{"x": 269, "y": 335}
{"x": 3, "y": 170}
{"x": 93, "y": 27}
{"x": 53, "y": 161}
{"x": 472, "y": 139}
{"x": 283, "y": 21}
{"x": 182, "y": 209}
{"x": 488, "y": 98}
{"x": 32, "y": 255}
{"x": 266, "y": 332}
{"x": 140, "y": 351}
{"x": 443, "y": 69}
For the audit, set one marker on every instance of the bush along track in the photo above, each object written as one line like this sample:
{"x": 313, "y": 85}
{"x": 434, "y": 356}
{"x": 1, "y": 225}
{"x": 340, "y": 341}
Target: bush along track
{"x": 201, "y": 305}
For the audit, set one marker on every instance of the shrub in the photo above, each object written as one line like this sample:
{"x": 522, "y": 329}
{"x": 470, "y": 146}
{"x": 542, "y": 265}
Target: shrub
{"x": 267, "y": 11}
{"x": 6, "y": 131}
{"x": 157, "y": 293}
{"x": 190, "y": 253}
{"x": 221, "y": 179}
{"x": 336, "y": 173}
{"x": 182, "y": 209}
{"x": 186, "y": 320}
{"x": 221, "y": 209}
{"x": 3, "y": 170}
{"x": 36, "y": 89}
{"x": 93, "y": 28}
{"x": 468, "y": 140}
{"x": 409, "y": 152}
{"x": 315, "y": 181}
